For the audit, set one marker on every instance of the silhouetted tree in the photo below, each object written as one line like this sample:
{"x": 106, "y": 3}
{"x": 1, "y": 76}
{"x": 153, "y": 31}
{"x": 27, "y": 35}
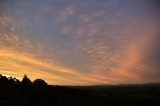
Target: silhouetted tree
{"x": 17, "y": 82}
{"x": 13, "y": 81}
{"x": 39, "y": 83}
{"x": 3, "y": 79}
{"x": 26, "y": 82}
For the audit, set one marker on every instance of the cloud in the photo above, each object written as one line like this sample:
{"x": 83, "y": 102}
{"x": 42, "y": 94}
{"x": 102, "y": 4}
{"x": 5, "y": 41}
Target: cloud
{"x": 84, "y": 44}
{"x": 17, "y": 63}
{"x": 18, "y": 57}
{"x": 66, "y": 13}
{"x": 119, "y": 56}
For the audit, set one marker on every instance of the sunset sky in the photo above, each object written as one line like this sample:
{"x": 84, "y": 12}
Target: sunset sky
{"x": 81, "y": 42}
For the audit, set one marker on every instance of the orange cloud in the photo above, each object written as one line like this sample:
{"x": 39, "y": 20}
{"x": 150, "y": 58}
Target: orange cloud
{"x": 17, "y": 63}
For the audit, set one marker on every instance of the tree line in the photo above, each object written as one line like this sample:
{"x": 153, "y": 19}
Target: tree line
{"x": 25, "y": 83}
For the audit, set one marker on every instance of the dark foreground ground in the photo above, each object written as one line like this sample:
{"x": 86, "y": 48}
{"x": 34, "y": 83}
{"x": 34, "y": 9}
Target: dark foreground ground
{"x": 40, "y": 94}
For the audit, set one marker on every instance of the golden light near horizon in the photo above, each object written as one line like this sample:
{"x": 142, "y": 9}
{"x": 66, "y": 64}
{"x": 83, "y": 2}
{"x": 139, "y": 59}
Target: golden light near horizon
{"x": 80, "y": 42}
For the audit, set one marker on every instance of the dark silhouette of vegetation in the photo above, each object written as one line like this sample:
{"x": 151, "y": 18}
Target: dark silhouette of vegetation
{"x": 38, "y": 93}
{"x": 39, "y": 83}
{"x": 26, "y": 82}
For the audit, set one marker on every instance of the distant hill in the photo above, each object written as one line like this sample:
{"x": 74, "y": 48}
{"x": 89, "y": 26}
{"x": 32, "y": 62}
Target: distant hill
{"x": 117, "y": 86}
{"x": 38, "y": 93}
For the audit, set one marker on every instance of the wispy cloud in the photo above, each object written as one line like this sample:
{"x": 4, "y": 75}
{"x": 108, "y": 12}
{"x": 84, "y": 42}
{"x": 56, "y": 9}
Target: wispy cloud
{"x": 80, "y": 43}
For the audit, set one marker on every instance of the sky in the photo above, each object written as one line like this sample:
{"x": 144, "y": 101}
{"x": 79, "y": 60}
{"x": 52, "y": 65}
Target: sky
{"x": 81, "y": 42}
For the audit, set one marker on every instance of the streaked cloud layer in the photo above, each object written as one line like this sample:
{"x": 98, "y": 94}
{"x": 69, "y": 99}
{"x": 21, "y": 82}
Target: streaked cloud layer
{"x": 80, "y": 42}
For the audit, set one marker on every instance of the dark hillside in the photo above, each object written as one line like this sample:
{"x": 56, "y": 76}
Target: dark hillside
{"x": 37, "y": 93}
